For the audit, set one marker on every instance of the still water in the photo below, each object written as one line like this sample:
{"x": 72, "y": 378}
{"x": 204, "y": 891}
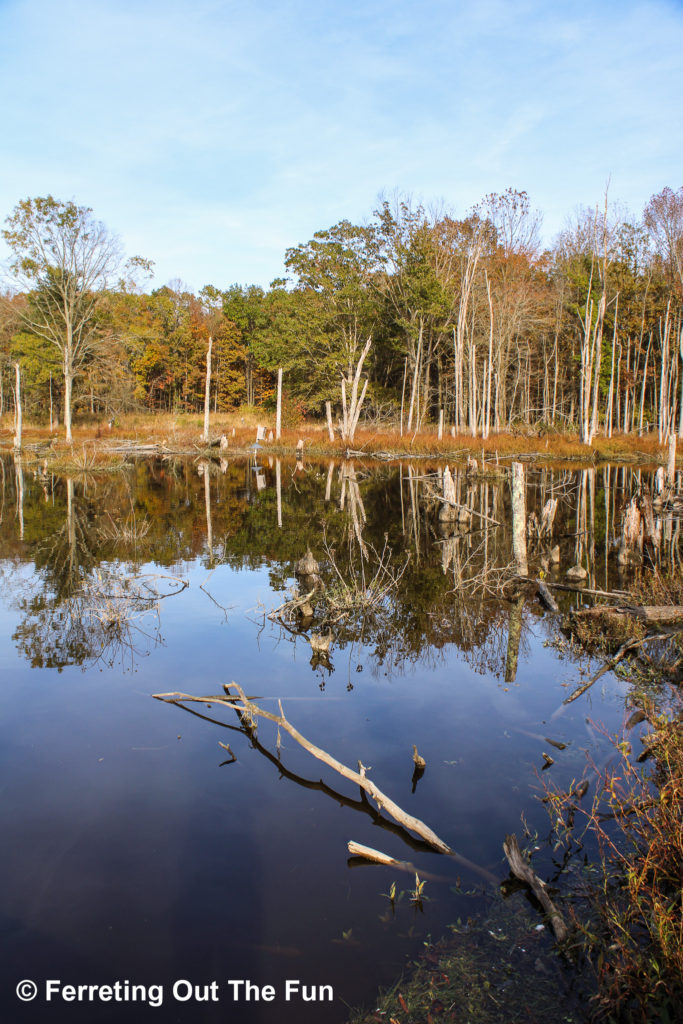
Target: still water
{"x": 138, "y": 850}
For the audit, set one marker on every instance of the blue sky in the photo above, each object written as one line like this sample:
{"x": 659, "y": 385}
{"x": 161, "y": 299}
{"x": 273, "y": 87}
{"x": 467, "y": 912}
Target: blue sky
{"x": 213, "y": 135}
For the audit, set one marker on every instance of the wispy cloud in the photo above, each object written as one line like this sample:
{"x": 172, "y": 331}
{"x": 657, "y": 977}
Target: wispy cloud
{"x": 214, "y": 135}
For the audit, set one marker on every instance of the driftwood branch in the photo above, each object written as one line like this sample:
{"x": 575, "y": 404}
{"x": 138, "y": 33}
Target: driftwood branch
{"x": 576, "y": 589}
{"x": 248, "y": 712}
{"x": 358, "y": 850}
{"x": 607, "y": 667}
{"x": 292, "y": 605}
{"x": 522, "y": 870}
{"x": 366, "y": 853}
{"x": 630, "y": 645}
{"x": 363, "y": 805}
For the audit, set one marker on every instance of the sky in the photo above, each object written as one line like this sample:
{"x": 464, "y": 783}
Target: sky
{"x": 212, "y": 136}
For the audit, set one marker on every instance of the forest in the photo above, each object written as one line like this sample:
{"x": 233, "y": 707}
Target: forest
{"x": 469, "y": 323}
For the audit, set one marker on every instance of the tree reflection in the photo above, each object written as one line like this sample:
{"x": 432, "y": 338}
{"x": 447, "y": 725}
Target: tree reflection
{"x": 399, "y": 582}
{"x": 79, "y": 609}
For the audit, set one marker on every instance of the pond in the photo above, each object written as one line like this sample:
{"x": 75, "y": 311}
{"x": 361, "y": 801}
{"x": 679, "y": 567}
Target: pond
{"x": 139, "y": 849}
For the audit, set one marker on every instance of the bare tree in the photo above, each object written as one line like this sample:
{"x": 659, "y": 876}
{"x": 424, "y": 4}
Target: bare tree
{"x": 207, "y": 392}
{"x": 64, "y": 259}
{"x": 352, "y": 404}
{"x": 663, "y": 218}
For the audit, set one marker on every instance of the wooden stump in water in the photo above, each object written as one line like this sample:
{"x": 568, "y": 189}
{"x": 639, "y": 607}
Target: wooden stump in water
{"x": 631, "y": 542}
{"x": 307, "y": 566}
{"x": 448, "y": 512}
{"x": 548, "y": 518}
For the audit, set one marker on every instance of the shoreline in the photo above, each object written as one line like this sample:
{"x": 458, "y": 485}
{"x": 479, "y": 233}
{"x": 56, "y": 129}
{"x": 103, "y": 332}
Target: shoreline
{"x": 181, "y": 437}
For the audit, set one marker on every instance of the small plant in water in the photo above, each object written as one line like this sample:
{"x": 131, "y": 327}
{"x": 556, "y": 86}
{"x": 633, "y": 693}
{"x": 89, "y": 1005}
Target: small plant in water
{"x": 391, "y": 895}
{"x": 416, "y": 894}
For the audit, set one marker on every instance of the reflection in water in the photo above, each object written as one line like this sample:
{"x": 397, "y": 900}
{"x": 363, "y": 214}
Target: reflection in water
{"x": 81, "y": 608}
{"x": 19, "y": 470}
{"x": 396, "y": 576}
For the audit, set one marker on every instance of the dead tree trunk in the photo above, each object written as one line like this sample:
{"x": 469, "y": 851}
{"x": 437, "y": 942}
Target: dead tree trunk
{"x": 548, "y": 518}
{"x": 414, "y": 388}
{"x": 519, "y": 518}
{"x": 514, "y": 639}
{"x": 448, "y": 512}
{"x": 671, "y": 467}
{"x": 351, "y": 408}
{"x": 630, "y": 533}
{"x": 19, "y": 471}
{"x": 207, "y": 393}
{"x": 17, "y": 408}
{"x": 278, "y": 417}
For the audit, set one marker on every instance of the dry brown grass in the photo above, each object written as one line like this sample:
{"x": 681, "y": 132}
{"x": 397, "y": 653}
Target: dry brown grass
{"x": 182, "y": 432}
{"x": 633, "y": 932}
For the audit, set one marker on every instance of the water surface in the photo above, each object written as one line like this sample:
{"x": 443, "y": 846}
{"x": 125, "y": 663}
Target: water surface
{"x": 138, "y": 849}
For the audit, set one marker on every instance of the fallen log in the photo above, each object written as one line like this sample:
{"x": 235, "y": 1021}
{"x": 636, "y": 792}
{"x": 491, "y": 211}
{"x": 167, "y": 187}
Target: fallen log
{"x": 576, "y": 590}
{"x": 522, "y": 870}
{"x": 661, "y": 615}
{"x": 547, "y": 598}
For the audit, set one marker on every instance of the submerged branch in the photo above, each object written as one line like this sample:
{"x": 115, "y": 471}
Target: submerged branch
{"x": 523, "y": 871}
{"x": 630, "y": 645}
{"x": 248, "y": 711}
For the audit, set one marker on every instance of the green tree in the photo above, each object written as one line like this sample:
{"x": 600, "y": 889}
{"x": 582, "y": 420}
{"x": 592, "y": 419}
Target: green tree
{"x": 246, "y": 308}
{"x": 331, "y": 311}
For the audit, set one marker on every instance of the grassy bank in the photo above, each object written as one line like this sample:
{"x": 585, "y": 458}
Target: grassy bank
{"x": 182, "y": 433}
{"x": 628, "y": 909}
{"x": 498, "y": 967}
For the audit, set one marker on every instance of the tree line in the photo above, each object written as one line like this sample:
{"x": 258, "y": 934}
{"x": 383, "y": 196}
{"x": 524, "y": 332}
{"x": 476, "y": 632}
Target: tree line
{"x": 464, "y": 320}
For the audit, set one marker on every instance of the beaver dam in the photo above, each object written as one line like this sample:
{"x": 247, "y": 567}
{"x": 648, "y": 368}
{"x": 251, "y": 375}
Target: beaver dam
{"x": 388, "y": 615}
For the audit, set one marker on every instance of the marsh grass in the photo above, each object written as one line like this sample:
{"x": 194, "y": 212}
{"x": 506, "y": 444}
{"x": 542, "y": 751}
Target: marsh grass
{"x": 364, "y": 583}
{"x": 657, "y": 587}
{"x": 182, "y": 431}
{"x": 630, "y": 922}
{"x": 629, "y": 915}
{"x": 494, "y": 968}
